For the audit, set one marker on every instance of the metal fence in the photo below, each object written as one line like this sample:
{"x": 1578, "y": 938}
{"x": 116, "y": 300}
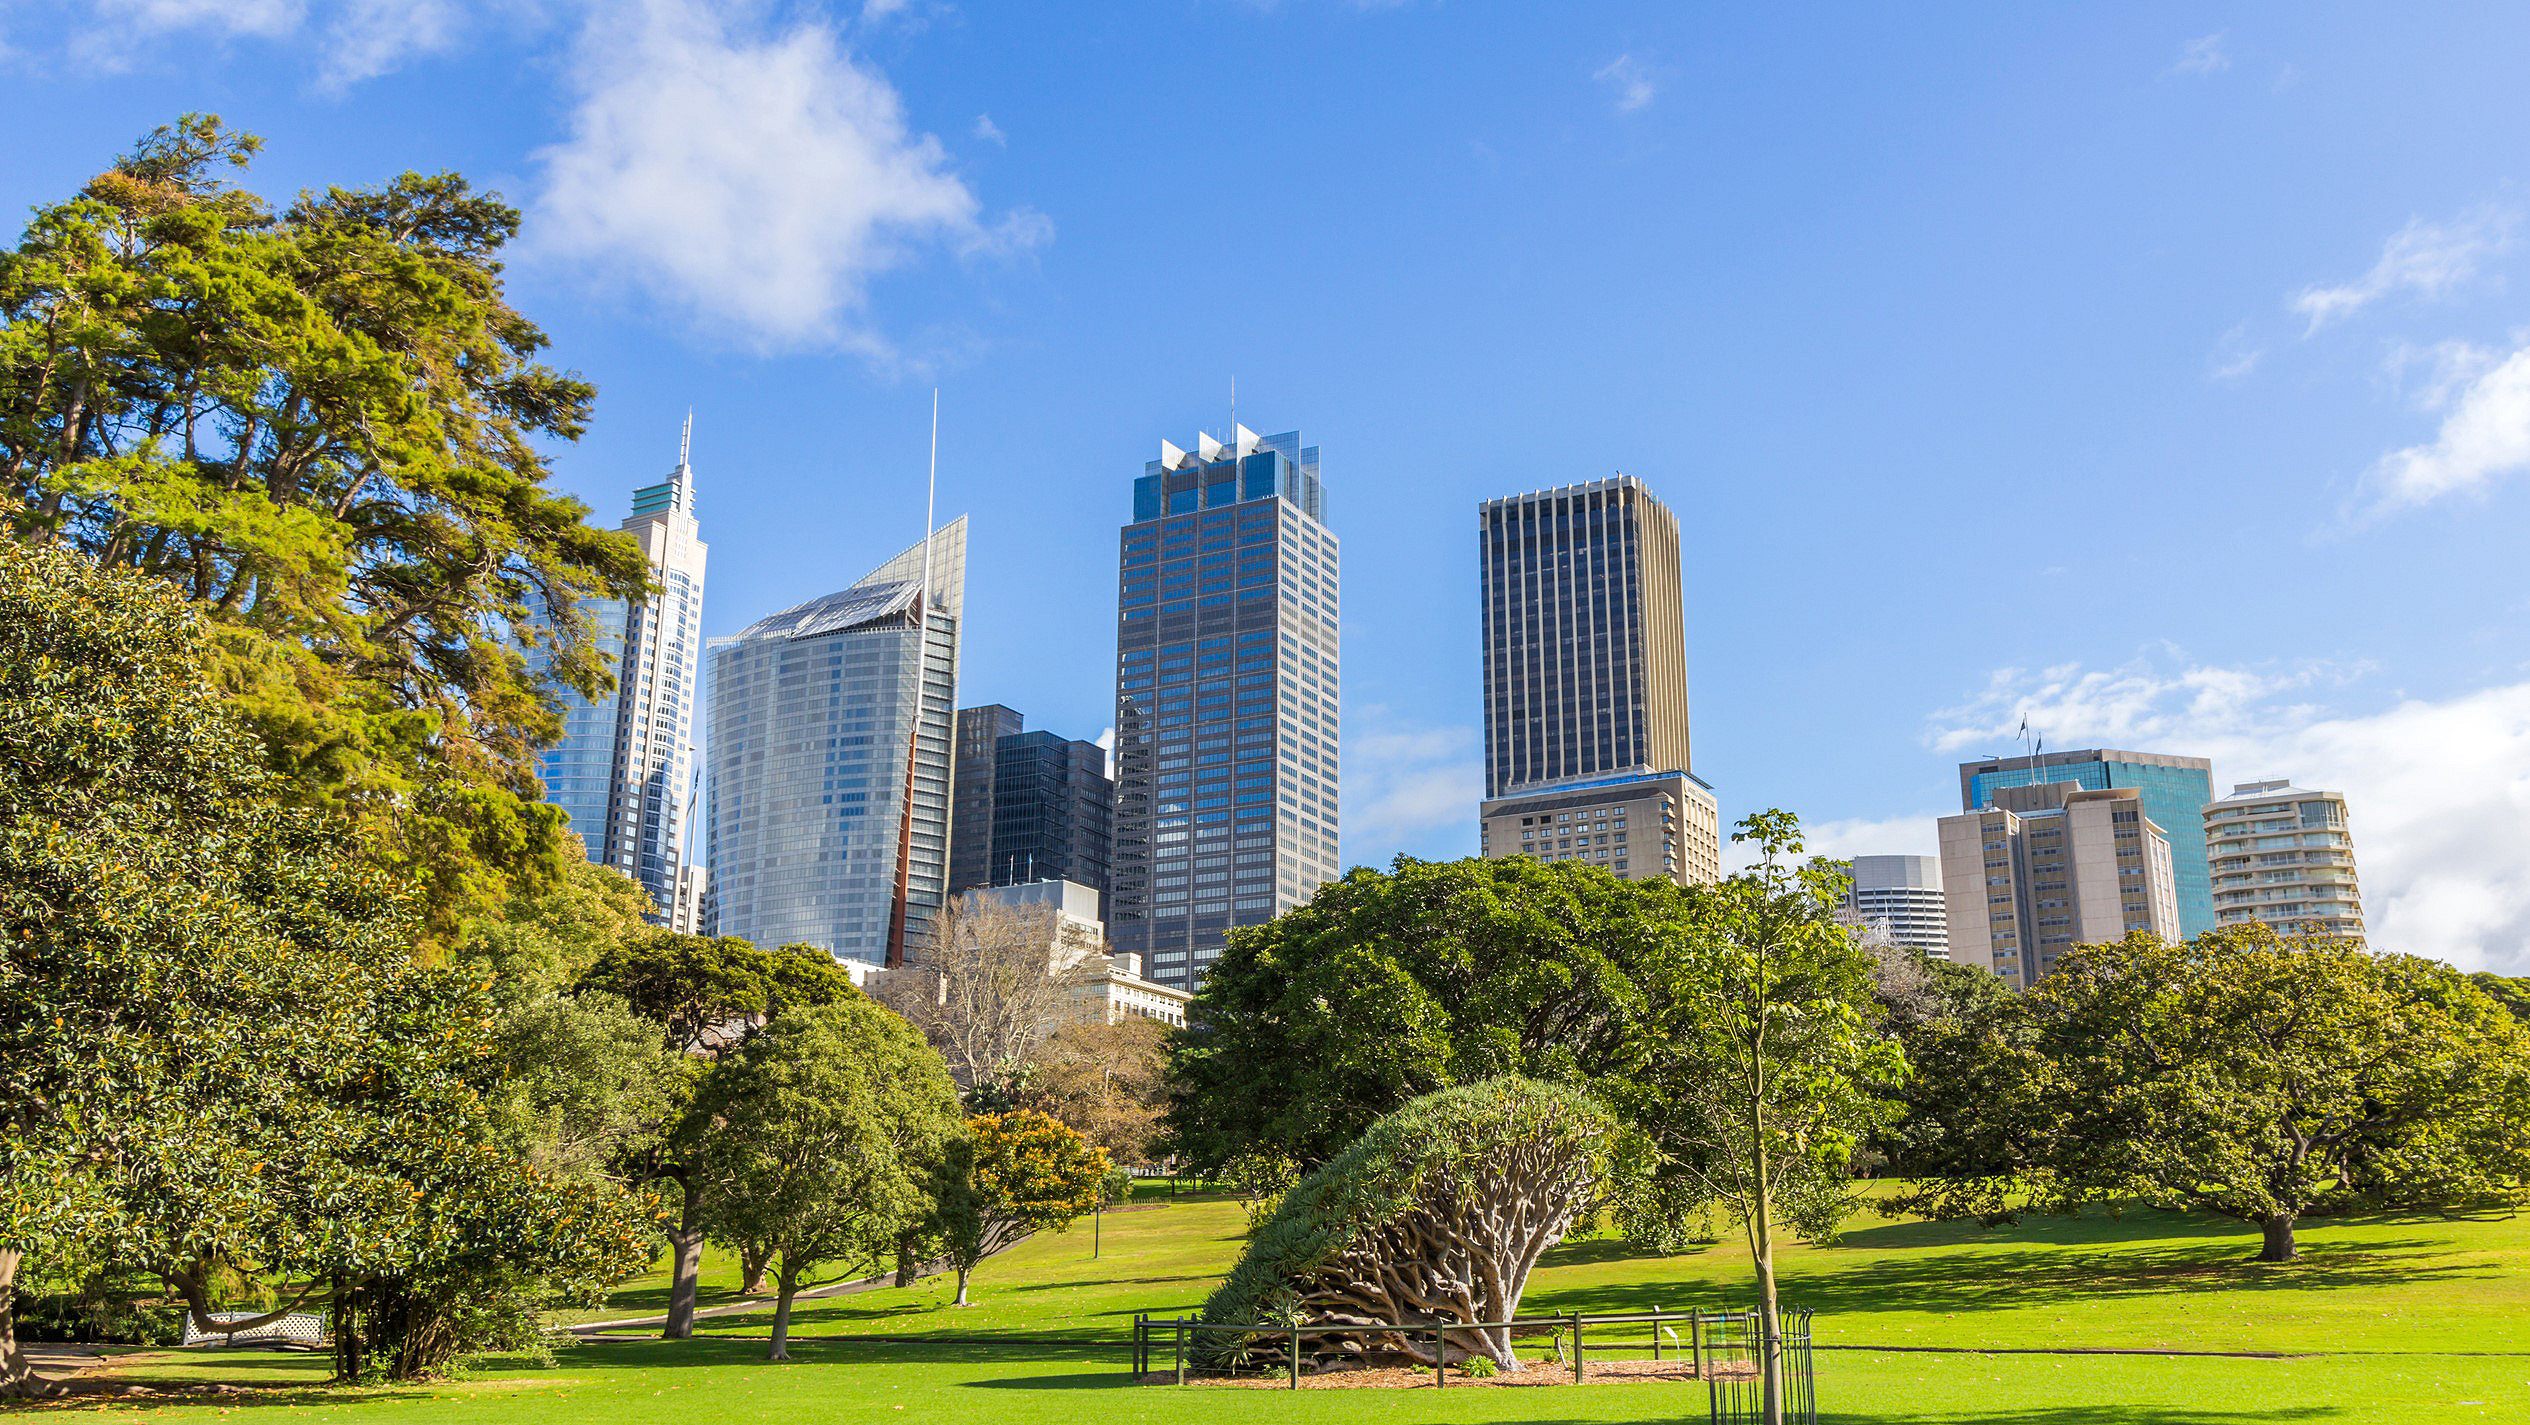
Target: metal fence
{"x": 1734, "y": 1368}
{"x": 1693, "y": 1336}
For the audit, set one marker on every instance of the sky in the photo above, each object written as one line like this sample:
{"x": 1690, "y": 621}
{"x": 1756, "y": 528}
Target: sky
{"x": 2158, "y": 374}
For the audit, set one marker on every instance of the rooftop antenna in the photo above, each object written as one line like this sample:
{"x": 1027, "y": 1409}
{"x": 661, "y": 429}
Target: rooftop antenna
{"x": 922, "y": 678}
{"x": 685, "y": 442}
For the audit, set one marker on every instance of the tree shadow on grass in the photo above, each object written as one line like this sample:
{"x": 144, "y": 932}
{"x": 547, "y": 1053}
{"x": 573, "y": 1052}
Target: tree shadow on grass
{"x": 2110, "y": 1413}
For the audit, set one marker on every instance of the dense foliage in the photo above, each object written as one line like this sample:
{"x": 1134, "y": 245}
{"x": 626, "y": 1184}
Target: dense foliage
{"x": 1438, "y": 1211}
{"x": 1012, "y": 1175}
{"x": 323, "y": 427}
{"x": 1387, "y": 986}
{"x": 216, "y": 1053}
{"x": 824, "y": 1139}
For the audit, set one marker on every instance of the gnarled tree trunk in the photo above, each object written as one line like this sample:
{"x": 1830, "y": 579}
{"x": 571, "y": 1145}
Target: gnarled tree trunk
{"x": 18, "y": 1380}
{"x": 752, "y": 1262}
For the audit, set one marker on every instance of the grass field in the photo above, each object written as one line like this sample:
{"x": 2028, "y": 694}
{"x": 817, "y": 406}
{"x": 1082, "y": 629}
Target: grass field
{"x": 2389, "y": 1319}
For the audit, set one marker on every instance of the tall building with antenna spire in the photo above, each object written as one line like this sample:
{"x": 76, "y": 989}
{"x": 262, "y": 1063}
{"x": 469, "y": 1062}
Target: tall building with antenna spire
{"x": 827, "y": 809}
{"x": 623, "y": 770}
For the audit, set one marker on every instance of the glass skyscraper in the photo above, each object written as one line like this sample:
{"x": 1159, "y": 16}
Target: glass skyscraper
{"x": 1031, "y": 806}
{"x": 828, "y": 810}
{"x": 2175, "y": 791}
{"x": 624, "y": 768}
{"x": 1227, "y": 698}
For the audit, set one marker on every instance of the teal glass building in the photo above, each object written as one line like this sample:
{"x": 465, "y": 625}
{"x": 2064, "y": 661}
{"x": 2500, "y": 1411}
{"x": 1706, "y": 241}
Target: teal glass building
{"x": 2175, "y": 793}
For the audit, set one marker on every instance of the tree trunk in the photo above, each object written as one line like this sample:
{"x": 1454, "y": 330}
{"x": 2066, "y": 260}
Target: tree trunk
{"x": 782, "y": 1313}
{"x": 18, "y": 1380}
{"x": 962, "y": 1274}
{"x": 2280, "y": 1246}
{"x": 908, "y": 1259}
{"x": 686, "y": 1245}
{"x": 1761, "y": 1235}
{"x": 752, "y": 1262}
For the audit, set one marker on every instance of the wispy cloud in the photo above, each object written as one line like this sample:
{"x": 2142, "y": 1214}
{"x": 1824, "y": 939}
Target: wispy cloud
{"x": 350, "y": 40}
{"x": 990, "y": 132}
{"x": 2235, "y": 356}
{"x": 2425, "y": 258}
{"x": 2202, "y": 55}
{"x": 1630, "y": 83}
{"x": 756, "y": 179}
{"x": 1408, "y": 786}
{"x": 2438, "y": 790}
{"x": 2485, "y": 434}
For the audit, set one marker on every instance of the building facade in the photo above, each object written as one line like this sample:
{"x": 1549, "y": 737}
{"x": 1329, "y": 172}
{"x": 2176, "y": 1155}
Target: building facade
{"x": 623, "y": 770}
{"x": 1901, "y": 896}
{"x": 1228, "y": 698}
{"x": 1585, "y": 685}
{"x": 2050, "y": 866}
{"x": 831, "y": 761}
{"x": 2175, "y": 791}
{"x": 979, "y": 734}
{"x": 1107, "y": 985}
{"x": 2283, "y": 856}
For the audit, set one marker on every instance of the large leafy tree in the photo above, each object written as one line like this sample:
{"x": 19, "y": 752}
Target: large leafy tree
{"x": 2266, "y": 1077}
{"x": 1108, "y": 1080}
{"x": 702, "y": 996}
{"x": 827, "y": 1135}
{"x": 1387, "y": 986}
{"x": 216, "y": 1053}
{"x": 1966, "y": 1129}
{"x": 1767, "y": 1067}
{"x": 1014, "y": 1174}
{"x": 326, "y": 428}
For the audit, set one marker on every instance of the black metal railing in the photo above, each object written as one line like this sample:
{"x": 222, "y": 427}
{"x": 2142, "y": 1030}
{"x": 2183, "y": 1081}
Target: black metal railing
{"x": 1735, "y": 1383}
{"x": 1181, "y": 1335}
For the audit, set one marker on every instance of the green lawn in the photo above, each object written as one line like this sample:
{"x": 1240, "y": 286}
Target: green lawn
{"x": 2386, "y": 1311}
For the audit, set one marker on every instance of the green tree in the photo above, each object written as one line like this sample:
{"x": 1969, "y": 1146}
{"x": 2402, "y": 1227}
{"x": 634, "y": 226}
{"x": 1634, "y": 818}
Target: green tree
{"x": 1768, "y": 1066}
{"x": 2510, "y": 992}
{"x": 326, "y": 428}
{"x": 705, "y": 994}
{"x": 826, "y": 1135}
{"x": 216, "y": 1054}
{"x": 1387, "y": 986}
{"x": 2265, "y": 1077}
{"x": 1966, "y": 1124}
{"x": 1014, "y": 1174}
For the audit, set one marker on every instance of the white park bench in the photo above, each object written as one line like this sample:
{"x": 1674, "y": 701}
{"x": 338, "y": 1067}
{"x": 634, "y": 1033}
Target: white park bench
{"x": 298, "y": 1331}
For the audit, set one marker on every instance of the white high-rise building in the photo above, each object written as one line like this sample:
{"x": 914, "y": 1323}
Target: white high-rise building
{"x": 2282, "y": 856}
{"x": 624, "y": 768}
{"x": 828, "y": 806}
{"x": 2049, "y": 867}
{"x": 1901, "y": 896}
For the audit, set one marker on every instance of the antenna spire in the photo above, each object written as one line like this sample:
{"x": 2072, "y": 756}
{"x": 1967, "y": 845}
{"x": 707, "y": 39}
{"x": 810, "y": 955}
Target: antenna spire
{"x": 685, "y": 441}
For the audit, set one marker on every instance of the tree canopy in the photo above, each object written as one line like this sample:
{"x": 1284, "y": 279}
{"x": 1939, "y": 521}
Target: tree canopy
{"x": 215, "y": 1049}
{"x": 1014, "y": 1174}
{"x": 1390, "y": 985}
{"x": 325, "y": 427}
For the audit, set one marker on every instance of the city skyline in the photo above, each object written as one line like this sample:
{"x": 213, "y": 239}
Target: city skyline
{"x": 2129, "y": 299}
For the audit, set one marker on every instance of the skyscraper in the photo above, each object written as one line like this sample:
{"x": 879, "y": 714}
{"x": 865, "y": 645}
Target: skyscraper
{"x": 2051, "y": 865}
{"x": 1585, "y": 672}
{"x": 2175, "y": 791}
{"x": 2282, "y": 856}
{"x": 623, "y": 770}
{"x": 1902, "y": 896}
{"x": 1031, "y": 806}
{"x": 980, "y": 731}
{"x": 1227, "y": 698}
{"x": 830, "y": 756}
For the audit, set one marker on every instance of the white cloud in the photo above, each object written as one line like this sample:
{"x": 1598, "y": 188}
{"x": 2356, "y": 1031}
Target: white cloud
{"x": 351, "y": 40}
{"x": 2438, "y": 791}
{"x": 2485, "y": 436}
{"x": 1630, "y": 81}
{"x": 1408, "y": 787}
{"x": 2425, "y": 258}
{"x": 2202, "y": 55}
{"x": 756, "y": 179}
{"x": 367, "y": 38}
{"x": 2234, "y": 357}
{"x": 990, "y": 132}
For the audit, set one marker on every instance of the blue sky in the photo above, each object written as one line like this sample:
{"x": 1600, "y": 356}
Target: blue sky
{"x": 2160, "y": 373}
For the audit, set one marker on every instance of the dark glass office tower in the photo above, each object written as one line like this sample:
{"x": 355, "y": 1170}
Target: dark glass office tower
{"x": 1227, "y": 698}
{"x": 1053, "y": 813}
{"x": 980, "y": 731}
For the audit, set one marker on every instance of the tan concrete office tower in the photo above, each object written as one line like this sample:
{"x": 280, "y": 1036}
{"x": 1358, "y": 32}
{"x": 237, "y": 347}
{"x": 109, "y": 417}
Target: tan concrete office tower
{"x": 2282, "y": 856}
{"x": 1585, "y": 669}
{"x": 2048, "y": 867}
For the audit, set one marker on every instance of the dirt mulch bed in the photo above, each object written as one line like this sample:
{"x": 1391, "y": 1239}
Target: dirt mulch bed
{"x": 1411, "y": 1378}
